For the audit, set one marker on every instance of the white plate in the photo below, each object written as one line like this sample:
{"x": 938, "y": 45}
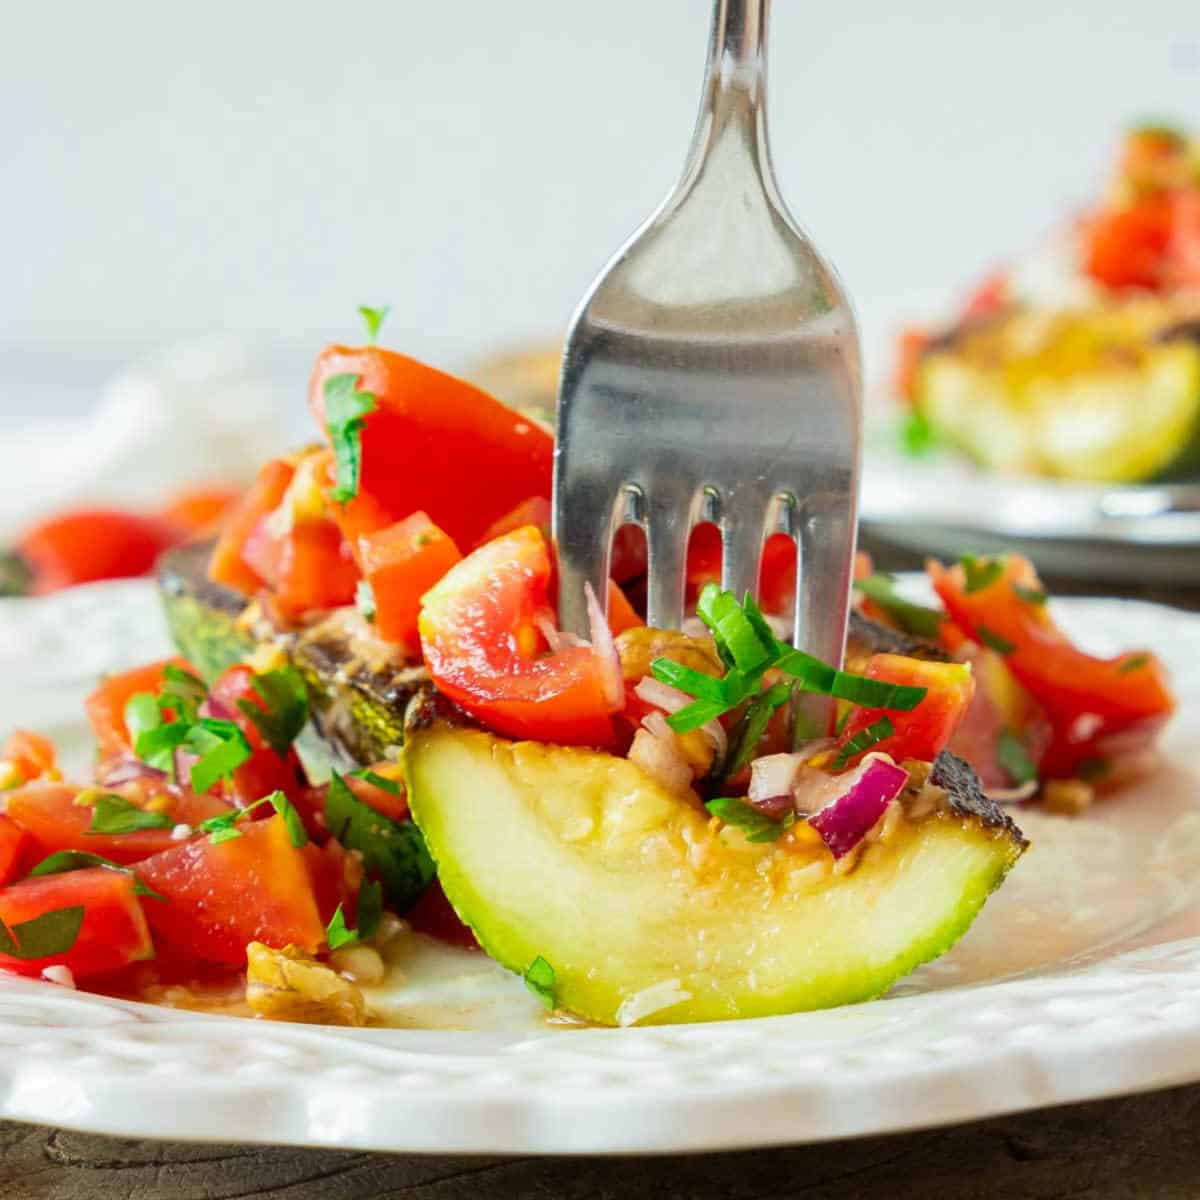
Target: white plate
{"x": 1081, "y": 979}
{"x": 943, "y": 505}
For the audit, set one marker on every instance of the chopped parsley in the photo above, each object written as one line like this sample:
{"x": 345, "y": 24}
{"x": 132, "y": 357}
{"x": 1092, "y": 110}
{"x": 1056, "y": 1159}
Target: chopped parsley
{"x": 373, "y": 319}
{"x": 391, "y": 786}
{"x": 51, "y": 933}
{"x": 222, "y": 748}
{"x": 912, "y": 618}
{"x": 224, "y": 826}
{"x": 1135, "y": 662}
{"x": 370, "y": 909}
{"x": 346, "y": 409}
{"x": 993, "y": 641}
{"x": 1030, "y": 595}
{"x": 1014, "y": 758}
{"x": 80, "y": 860}
{"x": 863, "y": 740}
{"x": 980, "y": 573}
{"x": 286, "y": 698}
{"x": 917, "y": 435}
{"x": 539, "y": 979}
{"x": 113, "y": 814}
{"x": 752, "y": 725}
{"x": 757, "y": 826}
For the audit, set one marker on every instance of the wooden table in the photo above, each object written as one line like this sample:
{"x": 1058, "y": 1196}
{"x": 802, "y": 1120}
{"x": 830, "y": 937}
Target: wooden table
{"x": 1135, "y": 1146}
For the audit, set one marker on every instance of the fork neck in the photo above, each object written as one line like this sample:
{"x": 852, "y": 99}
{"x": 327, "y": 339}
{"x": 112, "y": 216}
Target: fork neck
{"x": 735, "y": 81}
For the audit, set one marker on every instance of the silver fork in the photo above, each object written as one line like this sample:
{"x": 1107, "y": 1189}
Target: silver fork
{"x": 711, "y": 374}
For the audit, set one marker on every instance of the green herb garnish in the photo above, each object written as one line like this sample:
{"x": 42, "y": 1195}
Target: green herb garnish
{"x": 391, "y": 786}
{"x": 345, "y": 411}
{"x": 80, "y": 860}
{"x": 1030, "y": 595}
{"x": 912, "y": 618}
{"x": 757, "y": 826}
{"x": 224, "y": 826}
{"x": 286, "y": 698}
{"x": 863, "y": 740}
{"x": 113, "y": 814}
{"x": 222, "y": 748}
{"x": 752, "y": 725}
{"x": 182, "y": 693}
{"x": 993, "y": 640}
{"x": 1134, "y": 662}
{"x": 364, "y": 600}
{"x": 980, "y": 573}
{"x": 370, "y": 909}
{"x": 373, "y": 319}
{"x": 1014, "y": 758}
{"x": 917, "y": 435}
{"x": 51, "y": 933}
{"x": 539, "y": 979}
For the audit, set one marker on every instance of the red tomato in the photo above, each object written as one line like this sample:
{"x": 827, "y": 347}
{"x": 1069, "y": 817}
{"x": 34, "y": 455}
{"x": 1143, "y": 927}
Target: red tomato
{"x": 387, "y": 804}
{"x": 227, "y": 565}
{"x": 198, "y": 512}
{"x": 335, "y": 875}
{"x": 317, "y": 570}
{"x": 48, "y": 812}
{"x": 27, "y": 756}
{"x": 621, "y": 614}
{"x": 484, "y": 648}
{"x": 436, "y": 443}
{"x": 988, "y": 298}
{"x": 1128, "y": 247}
{"x": 909, "y": 351}
{"x": 401, "y": 563}
{"x": 91, "y": 544}
{"x": 777, "y": 572}
{"x": 12, "y": 846}
{"x": 265, "y": 771}
{"x": 536, "y": 510}
{"x": 113, "y": 933}
{"x": 1087, "y": 700}
{"x": 923, "y": 732}
{"x": 106, "y": 705}
{"x": 220, "y": 897}
{"x": 433, "y": 916}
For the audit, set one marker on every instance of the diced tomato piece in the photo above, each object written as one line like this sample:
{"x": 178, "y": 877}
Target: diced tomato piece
{"x": 92, "y": 544}
{"x": 265, "y": 771}
{"x": 392, "y": 805}
{"x": 198, "y": 512}
{"x": 220, "y": 897}
{"x": 1128, "y": 247}
{"x": 26, "y": 756}
{"x": 535, "y": 510}
{"x": 777, "y": 572}
{"x": 113, "y": 933}
{"x": 1088, "y": 701}
{"x": 12, "y": 844}
{"x": 401, "y": 563}
{"x": 436, "y": 443}
{"x": 48, "y": 812}
{"x": 482, "y": 642}
{"x": 227, "y": 565}
{"x": 621, "y": 614}
{"x": 923, "y": 732}
{"x": 1183, "y": 270}
{"x": 433, "y": 916}
{"x": 106, "y": 705}
{"x": 336, "y": 876}
{"x": 316, "y": 569}
{"x": 910, "y": 349}
{"x": 988, "y": 298}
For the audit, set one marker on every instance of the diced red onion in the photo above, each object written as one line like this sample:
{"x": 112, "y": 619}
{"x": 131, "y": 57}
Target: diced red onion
{"x": 119, "y": 771}
{"x": 671, "y": 700}
{"x": 217, "y": 710}
{"x": 556, "y": 638}
{"x": 865, "y": 794}
{"x": 775, "y": 807}
{"x": 185, "y": 760}
{"x": 605, "y": 650}
{"x": 774, "y": 775}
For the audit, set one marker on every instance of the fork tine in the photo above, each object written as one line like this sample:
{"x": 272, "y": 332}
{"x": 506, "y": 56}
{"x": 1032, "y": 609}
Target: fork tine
{"x": 670, "y": 514}
{"x": 584, "y": 545}
{"x": 742, "y": 543}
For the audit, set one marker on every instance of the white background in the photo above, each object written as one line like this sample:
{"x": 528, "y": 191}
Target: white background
{"x": 260, "y": 168}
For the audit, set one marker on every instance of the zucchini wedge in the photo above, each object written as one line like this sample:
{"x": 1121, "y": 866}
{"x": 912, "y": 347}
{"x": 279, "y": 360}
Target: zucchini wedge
{"x": 647, "y": 913}
{"x": 1107, "y": 394}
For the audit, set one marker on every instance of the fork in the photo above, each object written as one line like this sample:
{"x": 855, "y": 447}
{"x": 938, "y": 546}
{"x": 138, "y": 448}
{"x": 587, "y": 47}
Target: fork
{"x": 711, "y": 373}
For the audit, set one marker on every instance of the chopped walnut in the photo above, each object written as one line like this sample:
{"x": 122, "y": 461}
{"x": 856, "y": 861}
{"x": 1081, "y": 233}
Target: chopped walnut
{"x": 639, "y": 647}
{"x": 1067, "y": 797}
{"x": 289, "y": 985}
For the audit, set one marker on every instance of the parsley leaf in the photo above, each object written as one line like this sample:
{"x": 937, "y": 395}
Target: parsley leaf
{"x": 182, "y": 693}
{"x": 539, "y": 979}
{"x": 223, "y": 827}
{"x": 1030, "y": 595}
{"x": 1134, "y": 662}
{"x": 286, "y": 698}
{"x": 80, "y": 860}
{"x": 222, "y": 748}
{"x": 337, "y": 932}
{"x": 980, "y": 573}
{"x": 1014, "y": 758}
{"x": 863, "y": 740}
{"x": 113, "y": 814}
{"x": 370, "y": 910}
{"x": 917, "y": 435}
{"x": 50, "y": 933}
{"x": 911, "y": 618}
{"x": 993, "y": 640}
{"x": 752, "y": 725}
{"x": 373, "y": 318}
{"x": 345, "y": 411}
{"x": 757, "y": 826}
{"x": 391, "y": 786}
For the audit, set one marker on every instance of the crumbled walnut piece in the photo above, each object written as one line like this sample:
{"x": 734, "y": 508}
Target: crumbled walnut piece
{"x": 1067, "y": 797}
{"x": 639, "y": 647}
{"x": 289, "y": 985}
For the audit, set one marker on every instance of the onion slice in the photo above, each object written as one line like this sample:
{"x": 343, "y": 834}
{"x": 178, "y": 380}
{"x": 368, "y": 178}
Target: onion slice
{"x": 605, "y": 650}
{"x": 865, "y": 794}
{"x": 774, "y": 775}
{"x": 670, "y": 700}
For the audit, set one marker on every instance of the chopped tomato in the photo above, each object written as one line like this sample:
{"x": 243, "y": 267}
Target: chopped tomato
{"x": 621, "y": 614}
{"x": 535, "y": 510}
{"x": 55, "y": 819}
{"x": 92, "y": 544}
{"x": 317, "y": 570}
{"x": 1127, "y": 247}
{"x": 393, "y": 805}
{"x": 12, "y": 846}
{"x": 923, "y": 732}
{"x": 219, "y": 897}
{"x": 227, "y": 564}
{"x": 106, "y": 705}
{"x": 909, "y": 351}
{"x": 1087, "y": 700}
{"x": 198, "y": 512}
{"x": 113, "y": 933}
{"x": 336, "y": 876}
{"x": 26, "y": 756}
{"x": 436, "y": 443}
{"x": 401, "y": 563}
{"x": 481, "y": 632}
{"x": 777, "y": 572}
{"x": 433, "y": 916}
{"x": 264, "y": 771}
{"x": 988, "y": 298}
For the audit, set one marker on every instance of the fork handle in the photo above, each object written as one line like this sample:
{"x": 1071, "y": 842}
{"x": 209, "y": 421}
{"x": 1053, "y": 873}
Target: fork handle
{"x": 735, "y": 80}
